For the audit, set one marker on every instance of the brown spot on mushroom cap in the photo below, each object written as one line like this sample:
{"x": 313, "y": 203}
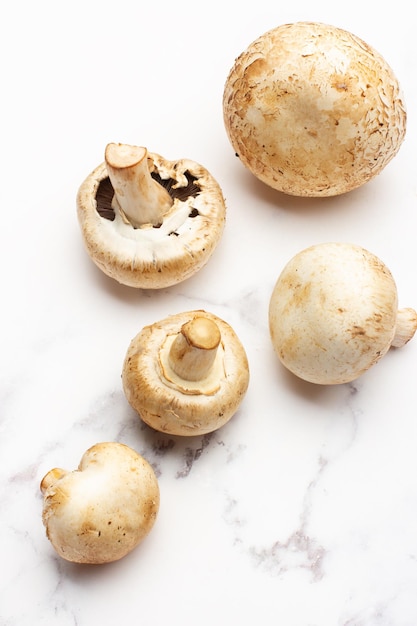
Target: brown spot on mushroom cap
{"x": 170, "y": 252}
{"x": 312, "y": 110}
{"x": 104, "y": 509}
{"x": 170, "y": 408}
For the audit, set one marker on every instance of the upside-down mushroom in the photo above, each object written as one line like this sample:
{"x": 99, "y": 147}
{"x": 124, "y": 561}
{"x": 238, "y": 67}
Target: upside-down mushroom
{"x": 333, "y": 313}
{"x": 148, "y": 222}
{"x": 313, "y": 110}
{"x": 186, "y": 374}
{"x": 101, "y": 511}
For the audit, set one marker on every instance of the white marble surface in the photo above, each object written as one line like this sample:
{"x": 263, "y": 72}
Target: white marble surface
{"x": 302, "y": 511}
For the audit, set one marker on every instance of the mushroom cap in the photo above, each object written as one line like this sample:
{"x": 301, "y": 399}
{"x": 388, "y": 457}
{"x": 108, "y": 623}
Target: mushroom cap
{"x": 101, "y": 511}
{"x": 312, "y": 110}
{"x": 154, "y": 257}
{"x": 332, "y": 313}
{"x": 177, "y": 411}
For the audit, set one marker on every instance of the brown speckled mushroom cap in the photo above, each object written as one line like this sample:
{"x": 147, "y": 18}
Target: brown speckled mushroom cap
{"x": 101, "y": 511}
{"x": 312, "y": 110}
{"x": 172, "y": 241}
{"x": 186, "y": 374}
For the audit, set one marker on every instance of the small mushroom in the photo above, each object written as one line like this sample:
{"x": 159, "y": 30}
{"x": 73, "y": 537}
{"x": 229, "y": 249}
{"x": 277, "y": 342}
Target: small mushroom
{"x": 101, "y": 511}
{"x": 187, "y": 374}
{"x": 148, "y": 222}
{"x": 334, "y": 313}
{"x": 312, "y": 110}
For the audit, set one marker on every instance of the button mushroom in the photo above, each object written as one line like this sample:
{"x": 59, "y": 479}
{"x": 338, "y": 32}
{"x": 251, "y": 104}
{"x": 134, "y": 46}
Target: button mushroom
{"x": 187, "y": 374}
{"x": 333, "y": 313}
{"x": 148, "y": 222}
{"x": 101, "y": 511}
{"x": 312, "y": 110}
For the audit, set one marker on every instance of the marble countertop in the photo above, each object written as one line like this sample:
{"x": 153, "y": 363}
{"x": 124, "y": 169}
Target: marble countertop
{"x": 302, "y": 510}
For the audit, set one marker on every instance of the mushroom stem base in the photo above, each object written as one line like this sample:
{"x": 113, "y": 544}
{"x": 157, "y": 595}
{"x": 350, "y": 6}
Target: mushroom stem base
{"x": 405, "y": 328}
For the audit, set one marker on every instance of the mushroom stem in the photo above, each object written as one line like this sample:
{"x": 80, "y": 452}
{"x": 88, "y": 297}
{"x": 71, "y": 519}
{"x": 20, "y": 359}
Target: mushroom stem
{"x": 51, "y": 477}
{"x": 194, "y": 349}
{"x": 405, "y": 328}
{"x": 139, "y": 197}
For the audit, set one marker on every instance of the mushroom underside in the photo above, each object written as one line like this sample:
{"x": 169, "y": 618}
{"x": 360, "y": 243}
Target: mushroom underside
{"x": 160, "y": 255}
{"x": 105, "y": 193}
{"x": 172, "y": 408}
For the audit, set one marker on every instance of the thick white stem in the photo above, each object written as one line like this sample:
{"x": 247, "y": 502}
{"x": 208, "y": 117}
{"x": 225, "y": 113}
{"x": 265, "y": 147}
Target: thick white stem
{"x": 141, "y": 199}
{"x": 194, "y": 350}
{"x": 405, "y": 328}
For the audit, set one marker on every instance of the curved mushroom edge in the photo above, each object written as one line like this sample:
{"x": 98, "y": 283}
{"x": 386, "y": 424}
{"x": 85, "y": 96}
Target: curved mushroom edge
{"x": 101, "y": 511}
{"x": 154, "y": 257}
{"x": 169, "y": 408}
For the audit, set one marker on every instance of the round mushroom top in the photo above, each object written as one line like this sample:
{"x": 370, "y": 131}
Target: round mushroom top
{"x": 158, "y": 254}
{"x": 99, "y": 512}
{"x": 312, "y": 110}
{"x": 333, "y": 312}
{"x": 186, "y": 374}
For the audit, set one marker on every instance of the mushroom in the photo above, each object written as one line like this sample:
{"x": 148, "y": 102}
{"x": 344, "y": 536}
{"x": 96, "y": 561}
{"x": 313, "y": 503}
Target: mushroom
{"x": 101, "y": 511}
{"x": 148, "y": 222}
{"x": 333, "y": 313}
{"x": 187, "y": 374}
{"x": 312, "y": 110}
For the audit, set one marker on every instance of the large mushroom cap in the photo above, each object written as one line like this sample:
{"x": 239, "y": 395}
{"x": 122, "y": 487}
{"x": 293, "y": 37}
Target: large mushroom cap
{"x": 312, "y": 110}
{"x": 101, "y": 511}
{"x": 186, "y": 374}
{"x": 333, "y": 313}
{"x": 162, "y": 252}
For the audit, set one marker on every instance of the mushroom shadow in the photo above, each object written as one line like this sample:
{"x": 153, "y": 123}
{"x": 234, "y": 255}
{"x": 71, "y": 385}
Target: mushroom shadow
{"x": 171, "y": 454}
{"x": 130, "y": 296}
{"x": 112, "y": 288}
{"x": 84, "y": 573}
{"x": 350, "y": 201}
{"x": 313, "y": 393}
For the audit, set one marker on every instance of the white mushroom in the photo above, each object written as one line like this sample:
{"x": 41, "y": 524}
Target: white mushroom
{"x": 334, "y": 313}
{"x": 312, "y": 110}
{"x": 148, "y": 222}
{"x": 187, "y": 374}
{"x": 101, "y": 511}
